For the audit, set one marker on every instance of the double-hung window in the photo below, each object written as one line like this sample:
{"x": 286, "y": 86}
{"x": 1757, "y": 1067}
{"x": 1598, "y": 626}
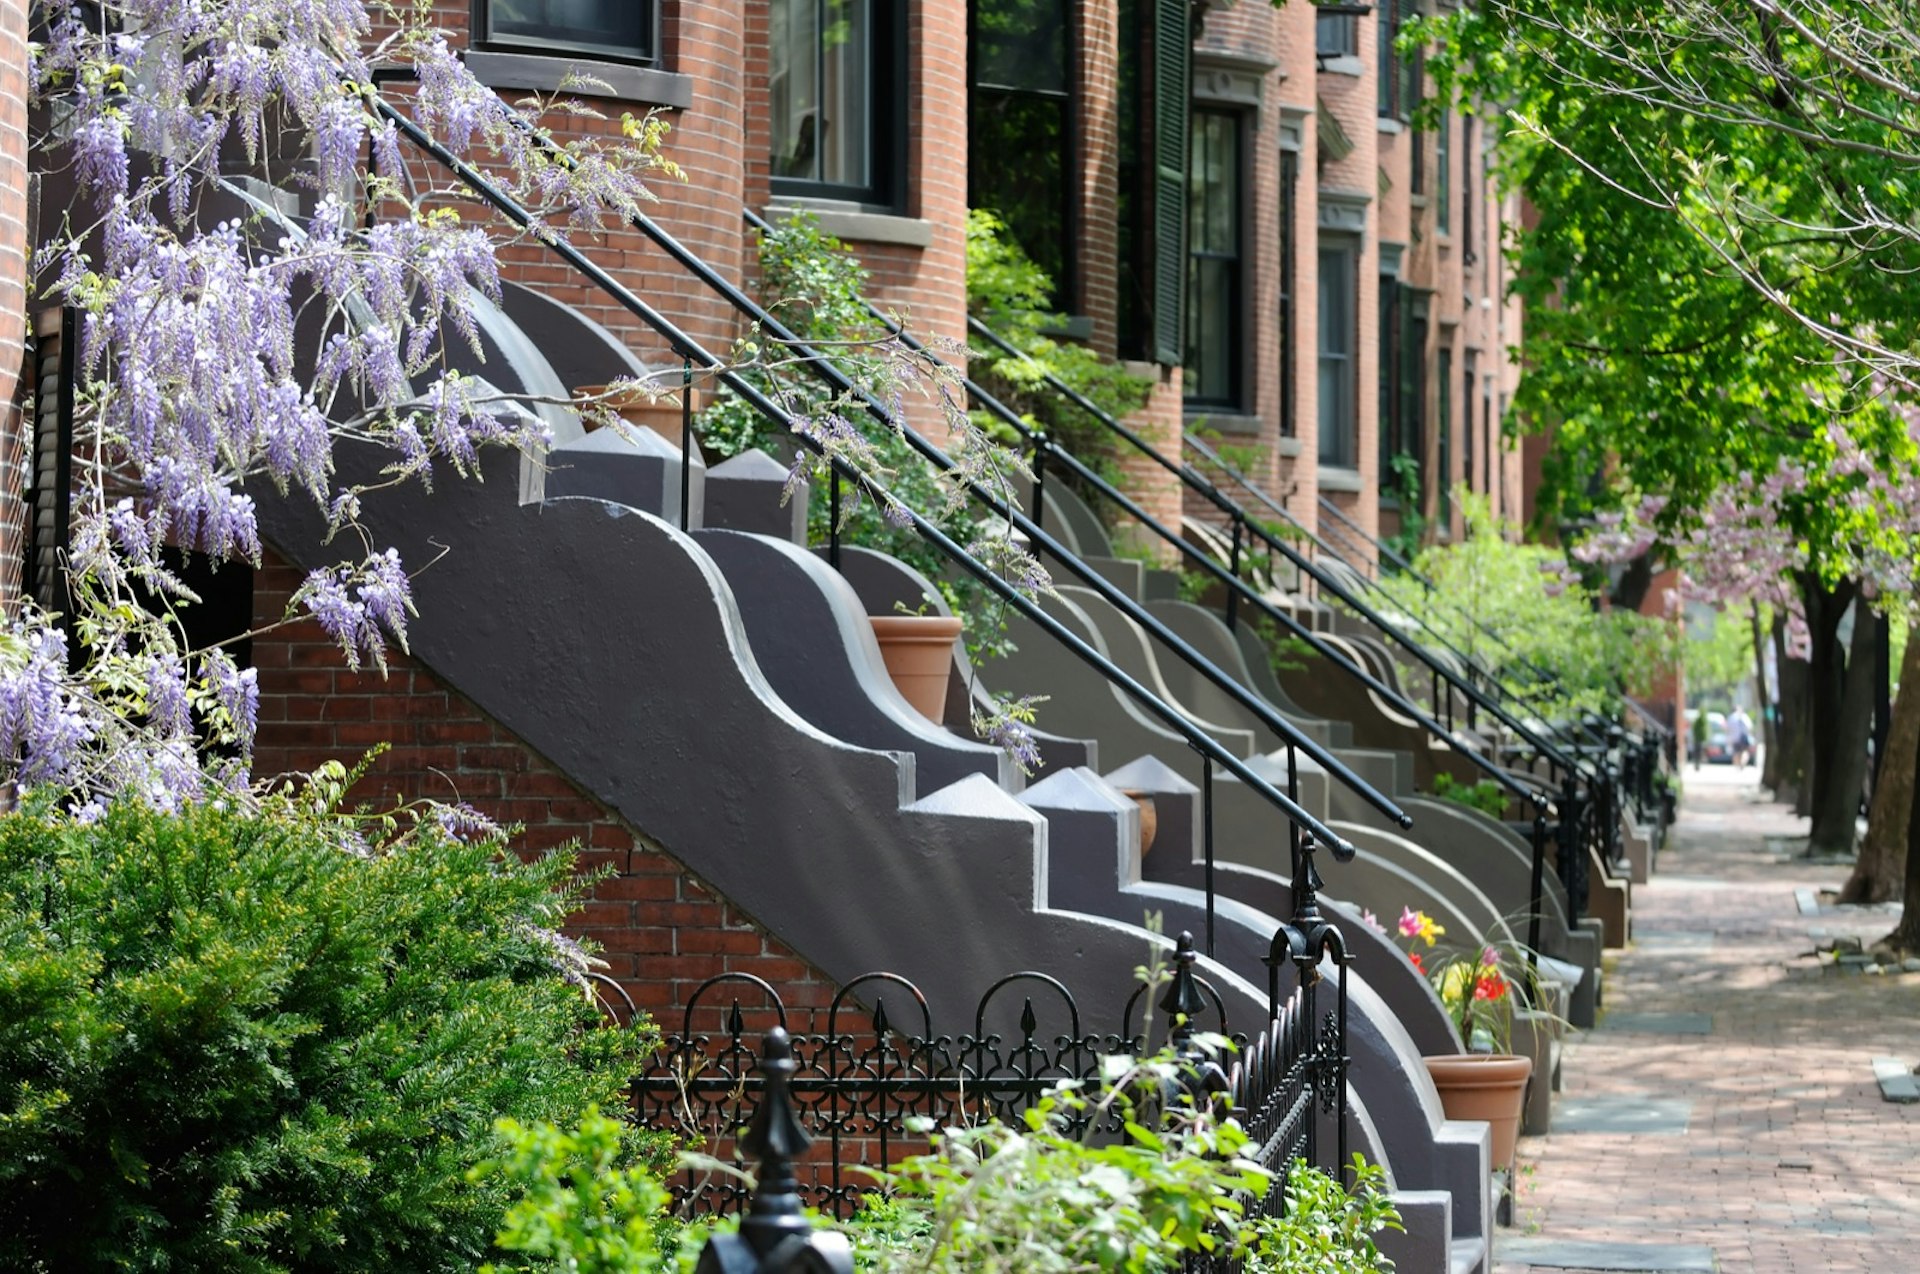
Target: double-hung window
{"x": 1020, "y": 128}
{"x": 1339, "y": 301}
{"x": 1214, "y": 332}
{"x": 1444, "y": 438}
{"x": 1289, "y": 211}
{"x": 1336, "y": 33}
{"x": 834, "y": 70}
{"x": 1388, "y": 365}
{"x": 626, "y": 30}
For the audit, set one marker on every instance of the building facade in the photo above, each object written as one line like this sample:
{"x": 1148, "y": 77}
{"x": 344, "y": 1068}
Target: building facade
{"x": 1236, "y": 200}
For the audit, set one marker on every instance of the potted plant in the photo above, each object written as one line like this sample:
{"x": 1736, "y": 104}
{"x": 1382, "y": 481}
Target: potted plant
{"x": 1475, "y": 985}
{"x": 918, "y": 651}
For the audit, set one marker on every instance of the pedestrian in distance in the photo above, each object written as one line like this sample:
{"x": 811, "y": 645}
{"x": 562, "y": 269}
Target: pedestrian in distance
{"x": 1740, "y": 736}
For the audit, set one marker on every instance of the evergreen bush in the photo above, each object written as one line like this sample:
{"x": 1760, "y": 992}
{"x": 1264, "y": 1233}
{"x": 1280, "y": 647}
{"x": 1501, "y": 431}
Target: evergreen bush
{"x": 252, "y": 1042}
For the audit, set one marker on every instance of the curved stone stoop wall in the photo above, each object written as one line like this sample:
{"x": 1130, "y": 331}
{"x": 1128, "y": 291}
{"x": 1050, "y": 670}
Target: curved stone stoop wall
{"x": 610, "y": 643}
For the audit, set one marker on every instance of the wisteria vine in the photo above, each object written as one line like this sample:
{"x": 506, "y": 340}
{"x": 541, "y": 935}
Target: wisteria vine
{"x": 220, "y": 356}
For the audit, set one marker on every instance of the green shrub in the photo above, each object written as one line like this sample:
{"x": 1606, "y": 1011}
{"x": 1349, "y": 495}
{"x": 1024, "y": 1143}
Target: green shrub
{"x": 1035, "y": 1195}
{"x": 1012, "y": 295}
{"x": 1487, "y": 796}
{"x": 813, "y": 283}
{"x": 239, "y": 1043}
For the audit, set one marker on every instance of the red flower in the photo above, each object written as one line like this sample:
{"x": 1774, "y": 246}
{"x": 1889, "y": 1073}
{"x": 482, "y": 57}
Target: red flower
{"x": 1491, "y": 986}
{"x": 1415, "y": 957}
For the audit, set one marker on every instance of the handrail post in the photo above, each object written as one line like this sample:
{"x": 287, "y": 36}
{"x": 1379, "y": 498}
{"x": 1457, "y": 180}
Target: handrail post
{"x": 833, "y": 517}
{"x": 686, "y": 440}
{"x": 1040, "y": 447}
{"x": 1572, "y": 867}
{"x": 1206, "y": 839}
{"x": 1537, "y": 889}
{"x": 1233, "y": 569}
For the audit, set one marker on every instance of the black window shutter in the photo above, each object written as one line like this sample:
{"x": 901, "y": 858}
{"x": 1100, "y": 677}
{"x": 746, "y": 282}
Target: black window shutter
{"x": 1172, "y": 60}
{"x": 50, "y": 497}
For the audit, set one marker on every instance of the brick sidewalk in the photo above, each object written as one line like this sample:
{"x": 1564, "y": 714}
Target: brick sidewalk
{"x": 1789, "y": 1159}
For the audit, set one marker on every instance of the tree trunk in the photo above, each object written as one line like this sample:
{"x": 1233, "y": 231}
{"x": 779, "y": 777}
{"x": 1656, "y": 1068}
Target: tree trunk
{"x": 1826, "y": 686}
{"x": 1906, "y": 938}
{"x": 1769, "y": 733}
{"x": 1790, "y": 779}
{"x": 1631, "y": 591}
{"x": 1785, "y": 764}
{"x": 1843, "y": 768}
{"x": 1878, "y": 876}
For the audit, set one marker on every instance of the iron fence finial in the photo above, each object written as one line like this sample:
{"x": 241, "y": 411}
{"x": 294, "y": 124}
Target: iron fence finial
{"x": 776, "y": 1236}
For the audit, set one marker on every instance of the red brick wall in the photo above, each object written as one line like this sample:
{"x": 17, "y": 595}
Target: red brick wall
{"x": 13, "y": 294}
{"x": 663, "y": 930}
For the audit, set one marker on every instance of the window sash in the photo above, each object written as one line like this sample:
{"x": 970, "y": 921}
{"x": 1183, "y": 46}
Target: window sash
{"x": 1338, "y": 306}
{"x": 609, "y": 29}
{"x": 1443, "y": 471}
{"x": 1289, "y": 215}
{"x": 1336, "y": 35}
{"x": 836, "y": 112}
{"x": 1215, "y": 320}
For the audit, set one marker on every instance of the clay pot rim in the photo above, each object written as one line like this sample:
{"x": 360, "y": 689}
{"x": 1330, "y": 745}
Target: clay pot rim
{"x": 924, "y": 627}
{"x": 1481, "y": 1070}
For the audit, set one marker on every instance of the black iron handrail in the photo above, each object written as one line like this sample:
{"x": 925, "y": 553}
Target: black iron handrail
{"x": 1010, "y": 514}
{"x": 1046, "y": 449}
{"x": 685, "y": 346}
{"x": 1555, "y": 755}
{"x": 1432, "y": 590}
{"x": 1403, "y": 565}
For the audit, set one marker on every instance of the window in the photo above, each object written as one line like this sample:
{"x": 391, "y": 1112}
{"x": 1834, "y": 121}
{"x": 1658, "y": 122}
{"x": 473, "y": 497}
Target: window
{"x": 1338, "y": 294}
{"x": 1412, "y": 417}
{"x": 1397, "y": 74}
{"x": 1388, "y": 430}
{"x": 1336, "y": 33}
{"x": 1443, "y": 172}
{"x": 1289, "y": 214}
{"x": 1467, "y": 422}
{"x": 833, "y": 89}
{"x": 1443, "y": 470}
{"x": 1021, "y": 105}
{"x": 626, "y": 29}
{"x": 1213, "y": 261}
{"x": 1467, "y": 254}
{"x": 1488, "y": 435}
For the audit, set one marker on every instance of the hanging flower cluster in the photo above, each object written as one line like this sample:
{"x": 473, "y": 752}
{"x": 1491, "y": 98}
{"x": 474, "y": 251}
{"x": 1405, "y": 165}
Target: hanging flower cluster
{"x": 230, "y": 344}
{"x": 227, "y": 343}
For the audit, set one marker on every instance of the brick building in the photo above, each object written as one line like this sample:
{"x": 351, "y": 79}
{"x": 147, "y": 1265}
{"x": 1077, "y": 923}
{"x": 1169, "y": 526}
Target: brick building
{"x": 1231, "y": 198}
{"x": 1326, "y": 283}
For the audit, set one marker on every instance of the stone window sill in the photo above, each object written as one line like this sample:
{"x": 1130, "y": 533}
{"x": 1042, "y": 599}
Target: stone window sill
{"x": 1350, "y": 66}
{"x": 1223, "y": 421}
{"x": 1387, "y": 124}
{"x": 855, "y": 224}
{"x": 1333, "y": 478}
{"x": 643, "y": 85}
{"x": 1288, "y": 448}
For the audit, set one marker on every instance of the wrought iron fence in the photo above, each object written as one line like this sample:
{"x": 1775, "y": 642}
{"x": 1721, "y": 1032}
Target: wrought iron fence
{"x": 861, "y": 1086}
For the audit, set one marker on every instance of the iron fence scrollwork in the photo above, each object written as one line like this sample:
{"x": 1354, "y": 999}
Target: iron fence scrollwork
{"x": 814, "y": 1107}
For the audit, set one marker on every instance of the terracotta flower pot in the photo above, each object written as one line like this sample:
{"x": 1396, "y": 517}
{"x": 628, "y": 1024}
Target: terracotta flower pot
{"x": 1149, "y": 817}
{"x": 661, "y": 415}
{"x": 1486, "y": 1086}
{"x": 918, "y": 650}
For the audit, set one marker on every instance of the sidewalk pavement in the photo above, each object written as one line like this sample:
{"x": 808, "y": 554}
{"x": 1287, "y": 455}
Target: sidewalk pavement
{"x": 1724, "y": 1115}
